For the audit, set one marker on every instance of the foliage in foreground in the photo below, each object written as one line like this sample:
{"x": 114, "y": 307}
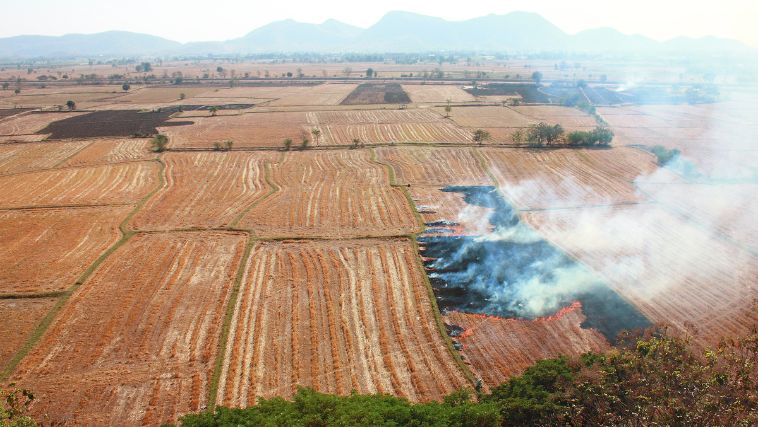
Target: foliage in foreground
{"x": 14, "y": 404}
{"x": 653, "y": 380}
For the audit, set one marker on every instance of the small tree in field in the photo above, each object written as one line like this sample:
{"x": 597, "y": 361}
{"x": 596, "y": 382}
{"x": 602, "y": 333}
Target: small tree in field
{"x": 71, "y": 105}
{"x": 356, "y": 143}
{"x": 14, "y": 405}
{"x": 287, "y": 144}
{"x": 304, "y": 143}
{"x": 316, "y": 134}
{"x": 448, "y": 108}
{"x": 126, "y": 87}
{"x": 6, "y": 85}
{"x": 537, "y": 77}
{"x": 159, "y": 143}
{"x": 480, "y": 135}
{"x": 213, "y": 111}
{"x": 182, "y": 96}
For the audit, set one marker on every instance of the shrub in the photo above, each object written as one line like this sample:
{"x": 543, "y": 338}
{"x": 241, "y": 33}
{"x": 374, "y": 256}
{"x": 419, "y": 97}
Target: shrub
{"x": 664, "y": 155}
{"x": 159, "y": 143}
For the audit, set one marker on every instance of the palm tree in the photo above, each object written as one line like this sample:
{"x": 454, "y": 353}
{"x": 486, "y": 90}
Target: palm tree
{"x": 316, "y": 134}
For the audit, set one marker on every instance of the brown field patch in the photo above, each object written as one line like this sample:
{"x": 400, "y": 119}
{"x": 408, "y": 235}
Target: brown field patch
{"x": 393, "y": 133}
{"x": 437, "y": 93}
{"x": 111, "y": 124}
{"x": 246, "y": 130}
{"x": 108, "y": 184}
{"x": 136, "y": 343}
{"x": 438, "y": 207}
{"x": 533, "y": 179}
{"x": 20, "y": 317}
{"x": 331, "y": 194}
{"x": 377, "y": 93}
{"x": 205, "y": 190}
{"x": 32, "y": 122}
{"x": 362, "y": 117}
{"x": 489, "y": 117}
{"x": 45, "y": 250}
{"x": 160, "y": 95}
{"x": 673, "y": 271}
{"x": 56, "y": 98}
{"x": 499, "y": 348}
{"x": 324, "y": 94}
{"x": 16, "y": 158}
{"x": 569, "y": 118}
{"x": 438, "y": 166}
{"x": 336, "y": 316}
{"x": 111, "y": 151}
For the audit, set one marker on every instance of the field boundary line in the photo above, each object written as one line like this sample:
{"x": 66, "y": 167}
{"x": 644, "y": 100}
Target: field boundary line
{"x": 403, "y": 188}
{"x": 49, "y": 318}
{"x": 223, "y": 341}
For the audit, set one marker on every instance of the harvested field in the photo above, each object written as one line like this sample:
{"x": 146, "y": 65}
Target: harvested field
{"x": 32, "y": 123}
{"x": 331, "y": 194}
{"x": 4, "y": 139}
{"x": 370, "y": 93}
{"x": 110, "y": 124}
{"x": 489, "y": 117}
{"x": 437, "y": 93}
{"x": 540, "y": 179}
{"x": 20, "y": 317}
{"x": 362, "y": 117}
{"x": 108, "y": 184}
{"x": 160, "y": 95}
{"x": 16, "y": 158}
{"x": 205, "y": 190}
{"x": 671, "y": 270}
{"x": 446, "y": 212}
{"x": 394, "y": 133}
{"x": 569, "y": 118}
{"x": 336, "y": 316}
{"x": 111, "y": 151}
{"x": 324, "y": 94}
{"x": 247, "y": 130}
{"x": 46, "y": 250}
{"x": 54, "y": 99}
{"x": 136, "y": 343}
{"x": 434, "y": 166}
{"x": 497, "y": 348}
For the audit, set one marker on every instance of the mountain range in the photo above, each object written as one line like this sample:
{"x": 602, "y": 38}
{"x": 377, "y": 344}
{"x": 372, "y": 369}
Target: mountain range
{"x": 395, "y": 32}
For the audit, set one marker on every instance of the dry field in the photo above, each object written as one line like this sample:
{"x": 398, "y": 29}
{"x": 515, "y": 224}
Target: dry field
{"x": 569, "y": 118}
{"x": 671, "y": 270}
{"x": 46, "y": 250}
{"x": 438, "y": 166}
{"x": 324, "y": 94}
{"x": 541, "y": 179}
{"x": 488, "y": 117}
{"x": 108, "y": 151}
{"x": 15, "y": 158}
{"x": 97, "y": 185}
{"x": 497, "y": 348}
{"x": 20, "y": 317}
{"x": 336, "y": 316}
{"x": 331, "y": 194}
{"x": 159, "y": 95}
{"x": 206, "y": 190}
{"x": 437, "y": 206}
{"x": 32, "y": 122}
{"x": 384, "y": 126}
{"x": 137, "y": 342}
{"x": 84, "y": 96}
{"x": 246, "y": 130}
{"x": 437, "y": 93}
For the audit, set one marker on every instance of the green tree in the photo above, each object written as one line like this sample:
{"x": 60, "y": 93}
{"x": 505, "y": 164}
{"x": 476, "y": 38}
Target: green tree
{"x": 213, "y": 110}
{"x": 448, "y": 108}
{"x": 159, "y": 143}
{"x": 287, "y": 144}
{"x": 126, "y": 87}
{"x": 14, "y": 406}
{"x": 480, "y": 136}
{"x": 182, "y": 96}
{"x": 537, "y": 77}
{"x": 71, "y": 105}
{"x": 316, "y": 135}
{"x": 370, "y": 73}
{"x": 6, "y": 85}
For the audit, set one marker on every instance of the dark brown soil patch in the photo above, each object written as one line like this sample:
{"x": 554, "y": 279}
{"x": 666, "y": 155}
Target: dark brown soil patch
{"x": 11, "y": 112}
{"x": 111, "y": 124}
{"x": 370, "y": 93}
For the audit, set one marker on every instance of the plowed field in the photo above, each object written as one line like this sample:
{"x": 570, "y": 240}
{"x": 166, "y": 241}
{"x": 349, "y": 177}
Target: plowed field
{"x": 437, "y": 93}
{"x": 568, "y": 177}
{"x": 671, "y": 270}
{"x": 137, "y": 342}
{"x": 205, "y": 190}
{"x": 336, "y": 316}
{"x": 46, "y": 250}
{"x": 110, "y": 184}
{"x": 331, "y": 194}
{"x": 32, "y": 122}
{"x": 497, "y": 348}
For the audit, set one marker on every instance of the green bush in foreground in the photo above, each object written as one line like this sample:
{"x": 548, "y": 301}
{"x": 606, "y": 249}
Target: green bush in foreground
{"x": 653, "y": 380}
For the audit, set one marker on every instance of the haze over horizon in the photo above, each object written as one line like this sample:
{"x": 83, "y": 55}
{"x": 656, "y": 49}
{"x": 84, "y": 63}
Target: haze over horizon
{"x": 184, "y": 22}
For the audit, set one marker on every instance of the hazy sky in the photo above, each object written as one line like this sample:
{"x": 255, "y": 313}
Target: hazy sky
{"x": 187, "y": 20}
